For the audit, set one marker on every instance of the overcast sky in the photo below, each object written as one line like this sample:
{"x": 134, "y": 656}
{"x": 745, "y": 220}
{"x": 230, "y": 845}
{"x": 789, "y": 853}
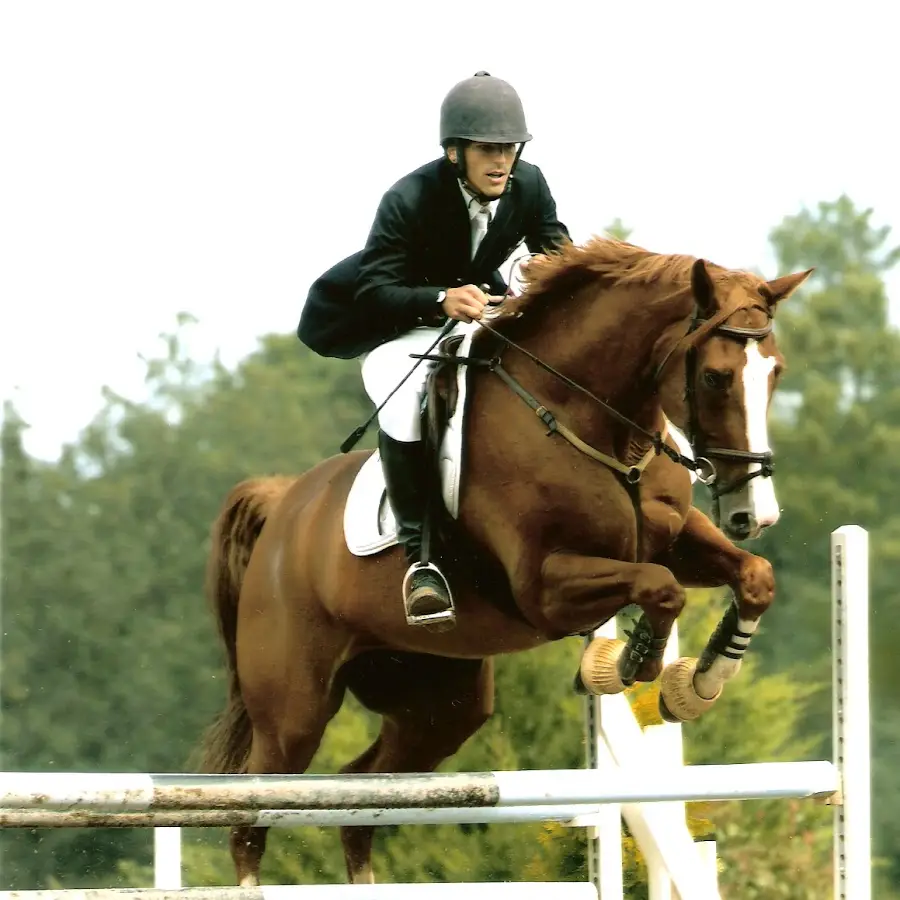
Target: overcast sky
{"x": 216, "y": 157}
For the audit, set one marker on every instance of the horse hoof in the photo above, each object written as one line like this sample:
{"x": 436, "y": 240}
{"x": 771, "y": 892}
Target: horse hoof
{"x": 599, "y": 670}
{"x": 678, "y": 701}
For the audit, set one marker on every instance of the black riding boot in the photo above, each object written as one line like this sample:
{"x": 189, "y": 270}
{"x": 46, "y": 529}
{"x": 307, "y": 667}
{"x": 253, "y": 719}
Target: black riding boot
{"x": 426, "y": 594}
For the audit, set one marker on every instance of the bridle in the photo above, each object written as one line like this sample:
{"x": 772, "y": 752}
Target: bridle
{"x": 693, "y": 432}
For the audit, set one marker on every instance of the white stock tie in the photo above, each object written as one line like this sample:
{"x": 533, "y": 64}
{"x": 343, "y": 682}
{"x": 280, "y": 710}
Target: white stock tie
{"x": 480, "y": 223}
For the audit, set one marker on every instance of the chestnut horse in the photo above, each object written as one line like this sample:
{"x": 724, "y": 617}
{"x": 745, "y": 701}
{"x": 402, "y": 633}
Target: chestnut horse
{"x": 564, "y": 518}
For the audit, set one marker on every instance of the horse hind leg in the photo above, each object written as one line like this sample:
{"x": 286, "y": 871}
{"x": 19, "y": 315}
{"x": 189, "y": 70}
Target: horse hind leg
{"x": 287, "y": 750}
{"x": 430, "y": 706}
{"x": 247, "y": 843}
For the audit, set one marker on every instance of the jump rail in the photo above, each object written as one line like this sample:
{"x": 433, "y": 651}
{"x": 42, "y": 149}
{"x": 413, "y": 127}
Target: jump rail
{"x": 61, "y": 790}
{"x": 501, "y": 890}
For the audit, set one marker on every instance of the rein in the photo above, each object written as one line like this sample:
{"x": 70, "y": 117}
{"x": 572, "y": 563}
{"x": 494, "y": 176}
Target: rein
{"x": 698, "y": 330}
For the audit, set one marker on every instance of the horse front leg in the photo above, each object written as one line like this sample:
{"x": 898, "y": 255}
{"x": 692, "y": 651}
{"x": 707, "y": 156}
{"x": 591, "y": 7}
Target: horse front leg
{"x": 580, "y": 593}
{"x": 703, "y": 557}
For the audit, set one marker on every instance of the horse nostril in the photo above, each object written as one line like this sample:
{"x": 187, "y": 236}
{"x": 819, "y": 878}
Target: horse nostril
{"x": 741, "y": 522}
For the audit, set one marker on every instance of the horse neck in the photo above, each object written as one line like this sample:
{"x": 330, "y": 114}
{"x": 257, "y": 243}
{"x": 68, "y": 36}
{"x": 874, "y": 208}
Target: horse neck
{"x": 610, "y": 342}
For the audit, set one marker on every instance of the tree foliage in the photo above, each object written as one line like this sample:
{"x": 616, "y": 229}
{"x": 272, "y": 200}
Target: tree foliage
{"x": 836, "y": 438}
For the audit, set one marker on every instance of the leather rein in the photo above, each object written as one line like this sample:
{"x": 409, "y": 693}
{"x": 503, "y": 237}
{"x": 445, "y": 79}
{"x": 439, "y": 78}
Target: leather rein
{"x": 699, "y": 330}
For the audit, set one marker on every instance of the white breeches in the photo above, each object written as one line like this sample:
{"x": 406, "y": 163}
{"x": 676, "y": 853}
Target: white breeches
{"x": 385, "y": 366}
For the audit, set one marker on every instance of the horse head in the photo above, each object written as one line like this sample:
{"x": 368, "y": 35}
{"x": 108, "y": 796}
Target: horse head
{"x": 644, "y": 329}
{"x": 723, "y": 391}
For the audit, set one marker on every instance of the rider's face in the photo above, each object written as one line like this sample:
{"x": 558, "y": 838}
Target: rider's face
{"x": 488, "y": 165}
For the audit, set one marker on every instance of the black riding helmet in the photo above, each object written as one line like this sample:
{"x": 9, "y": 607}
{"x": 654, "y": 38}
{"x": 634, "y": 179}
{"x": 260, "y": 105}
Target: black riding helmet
{"x": 482, "y": 108}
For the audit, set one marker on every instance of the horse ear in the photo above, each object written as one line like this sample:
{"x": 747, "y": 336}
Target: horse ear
{"x": 781, "y": 288}
{"x": 703, "y": 289}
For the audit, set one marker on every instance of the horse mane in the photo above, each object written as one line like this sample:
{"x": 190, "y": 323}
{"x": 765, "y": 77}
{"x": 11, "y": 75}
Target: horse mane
{"x": 569, "y": 267}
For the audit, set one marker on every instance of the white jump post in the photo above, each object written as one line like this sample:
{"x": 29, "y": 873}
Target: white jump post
{"x": 850, "y": 705}
{"x": 167, "y": 857}
{"x": 604, "y": 830}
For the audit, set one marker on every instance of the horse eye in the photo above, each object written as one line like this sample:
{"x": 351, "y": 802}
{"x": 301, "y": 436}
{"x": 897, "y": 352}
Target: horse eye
{"x": 717, "y": 381}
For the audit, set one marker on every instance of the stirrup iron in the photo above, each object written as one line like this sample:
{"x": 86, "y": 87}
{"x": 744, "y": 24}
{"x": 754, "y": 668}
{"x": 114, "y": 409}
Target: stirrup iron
{"x": 445, "y": 617}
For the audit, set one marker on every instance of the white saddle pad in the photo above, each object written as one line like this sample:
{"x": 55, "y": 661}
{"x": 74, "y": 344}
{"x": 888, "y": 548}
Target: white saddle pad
{"x": 369, "y": 524}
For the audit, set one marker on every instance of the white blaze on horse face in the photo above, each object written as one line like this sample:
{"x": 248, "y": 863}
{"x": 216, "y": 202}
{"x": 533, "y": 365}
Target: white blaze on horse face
{"x": 757, "y": 370}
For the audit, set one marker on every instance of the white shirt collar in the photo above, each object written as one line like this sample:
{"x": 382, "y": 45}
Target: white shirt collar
{"x": 473, "y": 206}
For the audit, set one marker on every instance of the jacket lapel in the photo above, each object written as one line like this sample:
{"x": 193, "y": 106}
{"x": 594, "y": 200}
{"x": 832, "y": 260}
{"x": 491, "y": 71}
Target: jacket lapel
{"x": 457, "y": 228}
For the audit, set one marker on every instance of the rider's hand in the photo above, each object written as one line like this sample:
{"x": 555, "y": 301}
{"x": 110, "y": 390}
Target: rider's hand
{"x": 464, "y": 303}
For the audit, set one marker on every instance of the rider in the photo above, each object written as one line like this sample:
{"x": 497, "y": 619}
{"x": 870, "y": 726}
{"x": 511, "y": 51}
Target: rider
{"x": 439, "y": 234}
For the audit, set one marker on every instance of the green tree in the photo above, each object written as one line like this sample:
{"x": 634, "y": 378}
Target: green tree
{"x": 53, "y": 624}
{"x": 835, "y": 432}
{"x": 110, "y": 658}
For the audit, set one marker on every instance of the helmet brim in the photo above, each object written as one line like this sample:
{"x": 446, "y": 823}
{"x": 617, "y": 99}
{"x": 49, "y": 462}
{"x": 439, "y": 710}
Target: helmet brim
{"x": 496, "y": 137}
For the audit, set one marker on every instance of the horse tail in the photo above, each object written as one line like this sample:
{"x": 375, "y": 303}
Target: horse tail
{"x": 225, "y": 747}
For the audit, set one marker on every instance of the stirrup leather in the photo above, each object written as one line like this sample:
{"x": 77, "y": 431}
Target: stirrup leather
{"x": 445, "y": 616}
